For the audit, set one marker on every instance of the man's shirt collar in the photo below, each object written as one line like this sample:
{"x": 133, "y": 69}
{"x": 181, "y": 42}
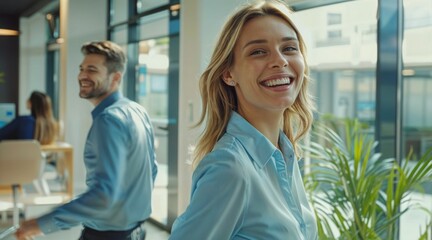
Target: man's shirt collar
{"x": 114, "y": 97}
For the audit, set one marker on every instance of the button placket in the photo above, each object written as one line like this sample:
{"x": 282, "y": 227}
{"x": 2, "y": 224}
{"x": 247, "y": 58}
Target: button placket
{"x": 285, "y": 182}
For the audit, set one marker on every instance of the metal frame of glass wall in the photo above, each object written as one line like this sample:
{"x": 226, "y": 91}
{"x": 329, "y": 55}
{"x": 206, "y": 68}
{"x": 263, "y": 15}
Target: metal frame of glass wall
{"x": 53, "y": 58}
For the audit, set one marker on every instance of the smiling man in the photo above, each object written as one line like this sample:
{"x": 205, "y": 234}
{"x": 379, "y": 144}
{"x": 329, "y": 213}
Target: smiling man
{"x": 119, "y": 156}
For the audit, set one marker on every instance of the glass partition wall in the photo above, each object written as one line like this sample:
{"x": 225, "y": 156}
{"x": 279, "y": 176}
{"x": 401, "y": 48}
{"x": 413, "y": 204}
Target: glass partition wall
{"x": 416, "y": 101}
{"x": 342, "y": 56}
{"x": 417, "y": 77}
{"x": 357, "y": 52}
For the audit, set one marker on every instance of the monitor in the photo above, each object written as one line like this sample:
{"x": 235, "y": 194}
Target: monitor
{"x": 7, "y": 113}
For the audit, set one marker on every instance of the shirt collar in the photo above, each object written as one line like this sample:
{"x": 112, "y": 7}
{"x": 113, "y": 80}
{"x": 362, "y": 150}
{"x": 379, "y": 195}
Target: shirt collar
{"x": 251, "y": 139}
{"x": 112, "y": 98}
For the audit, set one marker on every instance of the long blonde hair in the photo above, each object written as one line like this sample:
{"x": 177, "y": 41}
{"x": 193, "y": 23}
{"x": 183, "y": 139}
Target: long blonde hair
{"x": 46, "y": 127}
{"x": 218, "y": 99}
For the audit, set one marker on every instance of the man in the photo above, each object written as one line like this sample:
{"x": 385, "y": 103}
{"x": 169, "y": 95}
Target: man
{"x": 119, "y": 156}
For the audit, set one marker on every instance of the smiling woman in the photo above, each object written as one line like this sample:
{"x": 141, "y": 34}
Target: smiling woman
{"x": 247, "y": 183}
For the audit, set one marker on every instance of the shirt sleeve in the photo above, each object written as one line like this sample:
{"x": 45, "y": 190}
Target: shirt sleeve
{"x": 106, "y": 189}
{"x": 219, "y": 198}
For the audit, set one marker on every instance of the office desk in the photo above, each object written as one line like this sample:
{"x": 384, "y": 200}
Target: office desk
{"x": 67, "y": 150}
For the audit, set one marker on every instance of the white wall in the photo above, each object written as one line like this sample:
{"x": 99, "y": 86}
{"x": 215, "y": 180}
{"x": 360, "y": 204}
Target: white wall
{"x": 197, "y": 40}
{"x": 86, "y": 22}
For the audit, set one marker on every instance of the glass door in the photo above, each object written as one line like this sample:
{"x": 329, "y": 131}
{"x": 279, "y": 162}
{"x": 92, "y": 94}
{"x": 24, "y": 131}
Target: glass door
{"x": 150, "y": 36}
{"x": 152, "y": 88}
{"x": 156, "y": 88}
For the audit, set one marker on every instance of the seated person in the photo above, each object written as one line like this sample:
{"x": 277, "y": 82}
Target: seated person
{"x": 40, "y": 125}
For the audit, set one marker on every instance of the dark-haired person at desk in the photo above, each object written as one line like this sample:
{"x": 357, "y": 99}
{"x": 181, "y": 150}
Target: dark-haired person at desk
{"x": 40, "y": 124}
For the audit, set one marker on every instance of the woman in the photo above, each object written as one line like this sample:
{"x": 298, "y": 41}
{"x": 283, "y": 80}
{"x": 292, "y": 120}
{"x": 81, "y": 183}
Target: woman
{"x": 40, "y": 125}
{"x": 256, "y": 108}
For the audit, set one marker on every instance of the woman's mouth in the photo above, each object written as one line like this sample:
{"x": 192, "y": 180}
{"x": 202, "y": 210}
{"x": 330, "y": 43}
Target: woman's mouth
{"x": 277, "y": 82}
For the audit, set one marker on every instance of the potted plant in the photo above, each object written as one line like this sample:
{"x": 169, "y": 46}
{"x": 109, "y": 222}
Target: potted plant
{"x": 355, "y": 193}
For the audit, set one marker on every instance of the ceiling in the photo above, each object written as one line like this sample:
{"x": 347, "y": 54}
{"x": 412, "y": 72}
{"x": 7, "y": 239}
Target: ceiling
{"x": 26, "y": 8}
{"x": 23, "y": 8}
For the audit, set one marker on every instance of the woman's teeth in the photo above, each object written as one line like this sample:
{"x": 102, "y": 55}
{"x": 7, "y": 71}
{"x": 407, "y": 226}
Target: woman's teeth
{"x": 277, "y": 82}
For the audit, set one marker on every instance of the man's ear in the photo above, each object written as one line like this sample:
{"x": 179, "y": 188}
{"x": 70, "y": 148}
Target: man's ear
{"x": 117, "y": 77}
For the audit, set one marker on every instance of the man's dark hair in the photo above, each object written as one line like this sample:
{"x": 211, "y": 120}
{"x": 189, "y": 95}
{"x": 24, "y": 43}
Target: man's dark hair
{"x": 115, "y": 58}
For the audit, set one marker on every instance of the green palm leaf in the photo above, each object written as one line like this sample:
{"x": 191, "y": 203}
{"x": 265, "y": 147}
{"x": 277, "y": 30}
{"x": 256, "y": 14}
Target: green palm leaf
{"x": 354, "y": 190}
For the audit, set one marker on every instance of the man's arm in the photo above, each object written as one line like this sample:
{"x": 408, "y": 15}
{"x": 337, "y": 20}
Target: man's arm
{"x": 105, "y": 191}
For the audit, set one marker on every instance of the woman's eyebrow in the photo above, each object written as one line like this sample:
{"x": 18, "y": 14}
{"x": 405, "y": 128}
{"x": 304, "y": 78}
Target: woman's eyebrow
{"x": 286, "y": 39}
{"x": 258, "y": 41}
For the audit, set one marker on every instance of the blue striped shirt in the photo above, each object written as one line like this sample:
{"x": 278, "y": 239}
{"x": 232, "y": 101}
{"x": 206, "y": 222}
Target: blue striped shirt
{"x": 121, "y": 168}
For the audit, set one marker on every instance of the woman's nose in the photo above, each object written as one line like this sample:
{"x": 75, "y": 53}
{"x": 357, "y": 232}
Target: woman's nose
{"x": 279, "y": 60}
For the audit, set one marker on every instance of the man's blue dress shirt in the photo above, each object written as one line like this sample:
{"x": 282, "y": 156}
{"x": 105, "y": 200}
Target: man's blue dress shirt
{"x": 120, "y": 160}
{"x": 247, "y": 189}
{"x": 21, "y": 127}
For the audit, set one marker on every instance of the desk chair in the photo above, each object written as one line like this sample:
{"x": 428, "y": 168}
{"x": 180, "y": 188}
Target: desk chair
{"x": 20, "y": 163}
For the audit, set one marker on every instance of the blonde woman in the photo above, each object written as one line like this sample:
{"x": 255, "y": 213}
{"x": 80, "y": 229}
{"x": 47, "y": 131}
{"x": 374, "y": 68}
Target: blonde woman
{"x": 40, "y": 124}
{"x": 246, "y": 182}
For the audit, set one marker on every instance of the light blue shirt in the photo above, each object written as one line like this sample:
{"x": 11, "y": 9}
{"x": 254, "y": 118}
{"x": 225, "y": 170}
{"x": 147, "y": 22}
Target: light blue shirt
{"x": 121, "y": 168}
{"x": 247, "y": 189}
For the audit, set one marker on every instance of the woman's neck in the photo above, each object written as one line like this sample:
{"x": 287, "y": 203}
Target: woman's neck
{"x": 268, "y": 123}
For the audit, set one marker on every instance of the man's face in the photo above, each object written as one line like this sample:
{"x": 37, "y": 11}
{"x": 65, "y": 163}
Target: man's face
{"x": 94, "y": 80}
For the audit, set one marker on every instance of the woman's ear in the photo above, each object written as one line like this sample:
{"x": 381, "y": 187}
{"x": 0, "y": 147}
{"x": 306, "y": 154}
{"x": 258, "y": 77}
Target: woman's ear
{"x": 228, "y": 79}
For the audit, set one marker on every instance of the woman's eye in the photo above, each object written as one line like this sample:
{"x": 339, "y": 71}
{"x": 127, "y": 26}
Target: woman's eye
{"x": 258, "y": 52}
{"x": 290, "y": 49}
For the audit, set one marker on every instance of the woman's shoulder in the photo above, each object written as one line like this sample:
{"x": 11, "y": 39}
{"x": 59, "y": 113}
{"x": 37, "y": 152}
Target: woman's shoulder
{"x": 227, "y": 148}
{"x": 227, "y": 154}
{"x": 24, "y": 119}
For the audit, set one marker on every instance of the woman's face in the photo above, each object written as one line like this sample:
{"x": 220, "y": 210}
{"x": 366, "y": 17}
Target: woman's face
{"x": 268, "y": 66}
